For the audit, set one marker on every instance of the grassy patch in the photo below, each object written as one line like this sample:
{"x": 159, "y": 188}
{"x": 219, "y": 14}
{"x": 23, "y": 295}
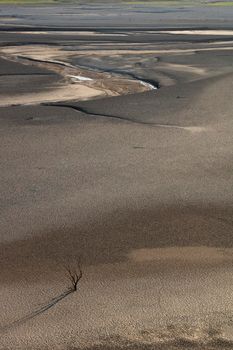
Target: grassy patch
{"x": 127, "y": 2}
{"x": 147, "y": 2}
{"x": 179, "y": 2}
{"x": 22, "y": 2}
{"x": 221, "y": 3}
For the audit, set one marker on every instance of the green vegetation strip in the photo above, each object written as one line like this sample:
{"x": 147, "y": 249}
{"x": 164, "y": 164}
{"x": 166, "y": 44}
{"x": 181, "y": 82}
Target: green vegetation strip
{"x": 222, "y": 3}
{"x": 127, "y": 2}
{"x": 35, "y": 2}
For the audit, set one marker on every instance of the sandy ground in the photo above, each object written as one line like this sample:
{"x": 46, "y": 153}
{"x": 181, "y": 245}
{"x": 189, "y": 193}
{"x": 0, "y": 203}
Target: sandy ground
{"x": 63, "y": 93}
{"x": 77, "y": 83}
{"x": 138, "y": 187}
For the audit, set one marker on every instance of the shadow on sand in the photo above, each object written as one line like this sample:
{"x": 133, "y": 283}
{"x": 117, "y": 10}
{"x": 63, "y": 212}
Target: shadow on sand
{"x": 38, "y": 311}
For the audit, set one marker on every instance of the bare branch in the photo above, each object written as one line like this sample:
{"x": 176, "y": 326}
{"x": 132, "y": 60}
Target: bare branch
{"x": 74, "y": 275}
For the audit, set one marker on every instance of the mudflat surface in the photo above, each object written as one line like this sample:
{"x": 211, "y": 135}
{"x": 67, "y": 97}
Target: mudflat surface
{"x": 16, "y": 78}
{"x": 116, "y": 15}
{"x": 8, "y": 68}
{"x": 134, "y": 182}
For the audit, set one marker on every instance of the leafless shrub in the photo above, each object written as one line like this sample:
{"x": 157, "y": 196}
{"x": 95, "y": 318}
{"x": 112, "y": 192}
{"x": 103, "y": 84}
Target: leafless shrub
{"x": 74, "y": 275}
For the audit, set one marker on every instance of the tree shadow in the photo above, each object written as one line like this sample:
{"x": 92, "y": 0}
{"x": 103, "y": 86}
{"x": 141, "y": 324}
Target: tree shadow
{"x": 74, "y": 276}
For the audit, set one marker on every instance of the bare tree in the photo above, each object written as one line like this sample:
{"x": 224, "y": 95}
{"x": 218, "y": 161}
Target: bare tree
{"x": 74, "y": 275}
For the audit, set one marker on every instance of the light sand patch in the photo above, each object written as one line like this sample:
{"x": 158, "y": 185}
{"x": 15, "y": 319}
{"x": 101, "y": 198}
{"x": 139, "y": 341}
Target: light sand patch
{"x": 195, "y": 129}
{"x": 78, "y": 78}
{"x": 228, "y": 42}
{"x": 63, "y": 93}
{"x": 184, "y": 68}
{"x": 9, "y": 19}
{"x": 150, "y": 86}
{"x": 152, "y": 51}
{"x": 82, "y": 33}
{"x": 192, "y": 129}
{"x": 197, "y": 32}
{"x": 184, "y": 254}
{"x": 33, "y": 51}
{"x": 45, "y": 52}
